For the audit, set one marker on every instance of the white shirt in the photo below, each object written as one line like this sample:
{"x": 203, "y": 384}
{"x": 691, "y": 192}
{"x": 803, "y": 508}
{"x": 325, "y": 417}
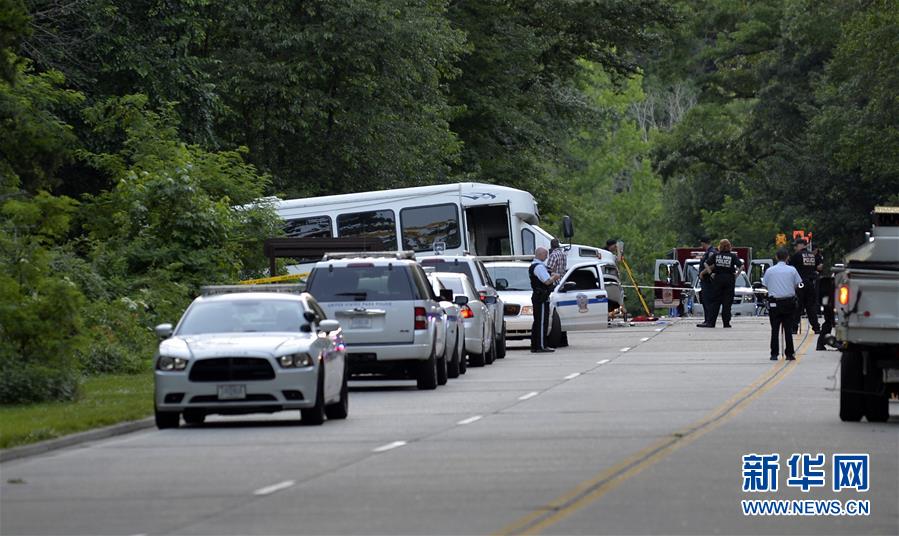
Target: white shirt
{"x": 781, "y": 280}
{"x": 540, "y": 271}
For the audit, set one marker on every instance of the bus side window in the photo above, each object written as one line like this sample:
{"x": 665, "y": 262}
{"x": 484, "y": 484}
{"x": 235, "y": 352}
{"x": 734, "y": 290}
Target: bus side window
{"x": 528, "y": 242}
{"x": 377, "y": 224}
{"x": 423, "y": 226}
{"x": 311, "y": 227}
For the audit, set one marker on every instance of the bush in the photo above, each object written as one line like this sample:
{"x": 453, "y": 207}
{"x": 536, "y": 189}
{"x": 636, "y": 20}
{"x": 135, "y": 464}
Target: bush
{"x": 25, "y": 382}
{"x": 119, "y": 340}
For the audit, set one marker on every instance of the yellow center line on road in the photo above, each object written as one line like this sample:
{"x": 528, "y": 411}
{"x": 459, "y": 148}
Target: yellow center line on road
{"x": 591, "y": 490}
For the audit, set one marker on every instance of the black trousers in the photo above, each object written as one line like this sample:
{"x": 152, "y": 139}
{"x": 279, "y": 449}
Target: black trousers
{"x": 721, "y": 298}
{"x": 780, "y": 314}
{"x": 808, "y": 304}
{"x": 706, "y": 287}
{"x": 541, "y": 323}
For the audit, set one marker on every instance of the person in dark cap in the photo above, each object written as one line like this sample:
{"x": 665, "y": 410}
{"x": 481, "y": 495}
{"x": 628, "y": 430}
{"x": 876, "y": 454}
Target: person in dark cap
{"x": 807, "y": 264}
{"x": 612, "y": 245}
{"x": 704, "y": 283}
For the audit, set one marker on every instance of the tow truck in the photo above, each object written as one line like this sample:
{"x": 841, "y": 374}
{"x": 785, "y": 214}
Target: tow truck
{"x": 866, "y": 306}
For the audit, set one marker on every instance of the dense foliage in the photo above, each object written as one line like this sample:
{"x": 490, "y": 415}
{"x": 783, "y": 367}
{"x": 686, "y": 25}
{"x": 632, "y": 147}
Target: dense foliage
{"x": 132, "y": 133}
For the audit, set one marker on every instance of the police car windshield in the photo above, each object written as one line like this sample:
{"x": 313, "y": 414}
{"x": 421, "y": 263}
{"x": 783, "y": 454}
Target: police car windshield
{"x": 517, "y": 276}
{"x": 242, "y": 316}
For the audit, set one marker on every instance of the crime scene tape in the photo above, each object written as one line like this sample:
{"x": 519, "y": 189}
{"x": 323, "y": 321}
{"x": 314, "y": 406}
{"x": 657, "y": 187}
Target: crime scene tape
{"x": 276, "y": 279}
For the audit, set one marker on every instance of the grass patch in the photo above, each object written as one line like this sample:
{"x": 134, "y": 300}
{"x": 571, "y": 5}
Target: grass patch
{"x": 104, "y": 400}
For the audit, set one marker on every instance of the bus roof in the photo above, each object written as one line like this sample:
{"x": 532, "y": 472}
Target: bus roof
{"x": 467, "y": 193}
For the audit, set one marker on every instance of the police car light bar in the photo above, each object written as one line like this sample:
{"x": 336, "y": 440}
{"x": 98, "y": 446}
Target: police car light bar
{"x": 213, "y": 290}
{"x": 368, "y": 254}
{"x": 505, "y": 258}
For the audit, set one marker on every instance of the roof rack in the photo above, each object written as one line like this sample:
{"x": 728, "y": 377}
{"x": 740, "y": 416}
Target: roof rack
{"x": 213, "y": 290}
{"x": 505, "y": 258}
{"x": 402, "y": 255}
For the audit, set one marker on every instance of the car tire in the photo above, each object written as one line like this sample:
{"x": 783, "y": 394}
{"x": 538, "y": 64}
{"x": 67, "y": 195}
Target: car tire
{"x": 453, "y": 366}
{"x": 341, "y": 408}
{"x": 426, "y": 378}
{"x": 167, "y": 419}
{"x": 851, "y": 402}
{"x": 501, "y": 344}
{"x": 463, "y": 358}
{"x": 554, "y": 338}
{"x": 442, "y": 372}
{"x": 563, "y": 340}
{"x": 877, "y": 406}
{"x": 490, "y": 354}
{"x": 193, "y": 416}
{"x": 315, "y": 415}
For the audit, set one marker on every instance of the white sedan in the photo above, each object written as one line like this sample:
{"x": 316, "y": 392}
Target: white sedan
{"x": 578, "y": 303}
{"x": 476, "y": 318}
{"x": 250, "y": 349}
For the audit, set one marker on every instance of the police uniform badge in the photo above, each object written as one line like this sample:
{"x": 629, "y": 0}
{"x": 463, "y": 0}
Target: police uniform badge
{"x": 582, "y": 301}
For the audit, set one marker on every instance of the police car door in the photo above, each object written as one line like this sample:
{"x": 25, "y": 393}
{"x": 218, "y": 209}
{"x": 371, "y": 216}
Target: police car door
{"x": 580, "y": 299}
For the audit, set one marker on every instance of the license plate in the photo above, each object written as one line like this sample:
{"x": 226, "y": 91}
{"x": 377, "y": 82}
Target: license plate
{"x": 360, "y": 322}
{"x": 232, "y": 392}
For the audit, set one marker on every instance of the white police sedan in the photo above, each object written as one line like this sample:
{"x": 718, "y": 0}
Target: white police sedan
{"x": 250, "y": 349}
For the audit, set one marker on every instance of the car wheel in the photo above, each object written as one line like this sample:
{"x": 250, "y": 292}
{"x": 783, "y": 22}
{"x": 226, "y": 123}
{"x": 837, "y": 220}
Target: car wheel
{"x": 490, "y": 355}
{"x": 193, "y": 416}
{"x": 501, "y": 344}
{"x": 315, "y": 415}
{"x": 453, "y": 365}
{"x": 341, "y": 408}
{"x": 442, "y": 373}
{"x": 877, "y": 406}
{"x": 563, "y": 340}
{"x": 167, "y": 419}
{"x": 427, "y": 372}
{"x": 463, "y": 358}
{"x": 851, "y": 402}
{"x": 554, "y": 338}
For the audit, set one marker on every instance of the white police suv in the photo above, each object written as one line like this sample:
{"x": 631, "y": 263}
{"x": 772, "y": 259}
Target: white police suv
{"x": 388, "y": 310}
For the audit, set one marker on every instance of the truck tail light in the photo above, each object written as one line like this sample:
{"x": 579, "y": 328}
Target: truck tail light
{"x": 843, "y": 295}
{"x": 421, "y": 318}
{"x": 466, "y": 312}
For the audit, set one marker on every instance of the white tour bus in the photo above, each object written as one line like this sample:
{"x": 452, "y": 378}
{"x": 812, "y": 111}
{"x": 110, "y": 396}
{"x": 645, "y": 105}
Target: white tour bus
{"x": 482, "y": 219}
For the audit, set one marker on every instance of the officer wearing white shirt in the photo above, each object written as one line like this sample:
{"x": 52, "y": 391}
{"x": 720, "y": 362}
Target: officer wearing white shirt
{"x": 781, "y": 280}
{"x": 541, "y": 286}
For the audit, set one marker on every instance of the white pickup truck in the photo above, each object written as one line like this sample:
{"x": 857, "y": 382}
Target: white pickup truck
{"x": 866, "y": 310}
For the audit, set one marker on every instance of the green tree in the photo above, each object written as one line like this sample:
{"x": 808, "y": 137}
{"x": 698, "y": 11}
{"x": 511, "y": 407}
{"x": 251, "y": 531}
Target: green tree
{"x": 178, "y": 216}
{"x": 41, "y": 328}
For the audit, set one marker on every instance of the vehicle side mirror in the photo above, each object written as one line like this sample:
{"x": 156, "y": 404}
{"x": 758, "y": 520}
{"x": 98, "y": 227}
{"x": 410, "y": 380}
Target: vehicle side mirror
{"x": 569, "y": 285}
{"x": 446, "y": 294}
{"x": 164, "y": 331}
{"x": 329, "y": 325}
{"x": 502, "y": 283}
{"x": 567, "y": 227}
{"x": 460, "y": 300}
{"x": 490, "y": 300}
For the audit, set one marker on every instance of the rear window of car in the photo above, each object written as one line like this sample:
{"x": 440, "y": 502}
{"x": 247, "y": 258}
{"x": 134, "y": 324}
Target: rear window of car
{"x": 455, "y": 285}
{"x": 441, "y": 265}
{"x": 242, "y": 316}
{"x": 362, "y": 283}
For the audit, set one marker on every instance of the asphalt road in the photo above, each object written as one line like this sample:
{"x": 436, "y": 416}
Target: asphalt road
{"x": 629, "y": 431}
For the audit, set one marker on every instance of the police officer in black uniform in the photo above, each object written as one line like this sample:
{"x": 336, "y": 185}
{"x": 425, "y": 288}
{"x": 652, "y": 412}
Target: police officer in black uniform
{"x": 705, "y": 285}
{"x": 722, "y": 268}
{"x": 542, "y": 283}
{"x": 807, "y": 264}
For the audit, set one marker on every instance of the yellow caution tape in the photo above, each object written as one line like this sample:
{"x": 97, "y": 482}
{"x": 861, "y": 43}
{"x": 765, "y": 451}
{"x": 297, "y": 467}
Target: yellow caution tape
{"x": 276, "y": 279}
